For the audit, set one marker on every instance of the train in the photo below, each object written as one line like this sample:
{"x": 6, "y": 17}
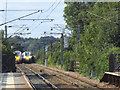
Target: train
{"x": 18, "y": 56}
{"x": 24, "y": 57}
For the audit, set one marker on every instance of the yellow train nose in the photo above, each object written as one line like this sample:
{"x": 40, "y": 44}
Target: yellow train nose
{"x": 27, "y": 58}
{"x": 17, "y": 58}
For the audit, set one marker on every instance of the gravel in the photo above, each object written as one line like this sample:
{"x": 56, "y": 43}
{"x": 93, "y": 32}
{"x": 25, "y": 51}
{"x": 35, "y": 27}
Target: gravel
{"x": 68, "y": 80}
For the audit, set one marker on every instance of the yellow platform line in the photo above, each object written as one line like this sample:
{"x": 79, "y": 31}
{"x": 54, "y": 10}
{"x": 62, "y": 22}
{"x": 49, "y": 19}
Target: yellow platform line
{"x": 27, "y": 82}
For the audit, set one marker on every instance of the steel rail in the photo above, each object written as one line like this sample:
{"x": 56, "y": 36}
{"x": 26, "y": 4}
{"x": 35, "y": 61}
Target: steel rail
{"x": 27, "y": 79}
{"x": 65, "y": 74}
{"x": 75, "y": 84}
{"x": 49, "y": 83}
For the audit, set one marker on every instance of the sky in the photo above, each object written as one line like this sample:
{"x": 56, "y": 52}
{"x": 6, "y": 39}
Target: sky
{"x": 51, "y": 9}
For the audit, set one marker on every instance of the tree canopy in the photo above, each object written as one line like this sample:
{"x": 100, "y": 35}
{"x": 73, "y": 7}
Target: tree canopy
{"x": 99, "y": 36}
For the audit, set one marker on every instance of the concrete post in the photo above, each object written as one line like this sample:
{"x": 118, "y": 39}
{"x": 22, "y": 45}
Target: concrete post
{"x": 62, "y": 50}
{"x": 0, "y": 52}
{"x": 5, "y": 31}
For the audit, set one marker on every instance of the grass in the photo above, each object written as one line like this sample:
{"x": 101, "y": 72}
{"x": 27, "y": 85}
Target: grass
{"x": 59, "y": 67}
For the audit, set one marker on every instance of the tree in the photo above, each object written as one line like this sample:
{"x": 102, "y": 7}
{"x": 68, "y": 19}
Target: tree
{"x": 99, "y": 34}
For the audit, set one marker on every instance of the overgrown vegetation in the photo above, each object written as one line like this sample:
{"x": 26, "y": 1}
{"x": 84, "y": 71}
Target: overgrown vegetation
{"x": 99, "y": 37}
{"x": 30, "y": 44}
{"x": 6, "y": 55}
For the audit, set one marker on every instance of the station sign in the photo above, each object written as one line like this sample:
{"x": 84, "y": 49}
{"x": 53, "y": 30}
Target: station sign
{"x": 66, "y": 42}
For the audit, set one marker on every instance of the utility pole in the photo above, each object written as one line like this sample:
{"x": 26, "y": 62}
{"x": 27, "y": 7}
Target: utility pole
{"x": 44, "y": 54}
{"x": 51, "y": 48}
{"x": 78, "y": 35}
{"x": 1, "y": 52}
{"x": 62, "y": 41}
{"x": 5, "y": 31}
{"x": 62, "y": 50}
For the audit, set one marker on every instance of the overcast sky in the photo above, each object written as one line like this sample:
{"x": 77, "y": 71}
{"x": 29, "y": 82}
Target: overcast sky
{"x": 52, "y": 9}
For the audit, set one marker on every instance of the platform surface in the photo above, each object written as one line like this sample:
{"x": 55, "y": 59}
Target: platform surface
{"x": 113, "y": 73}
{"x": 14, "y": 81}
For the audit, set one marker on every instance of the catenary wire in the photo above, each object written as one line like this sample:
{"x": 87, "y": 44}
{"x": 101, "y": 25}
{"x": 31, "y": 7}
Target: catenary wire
{"x": 48, "y": 14}
{"x": 41, "y": 13}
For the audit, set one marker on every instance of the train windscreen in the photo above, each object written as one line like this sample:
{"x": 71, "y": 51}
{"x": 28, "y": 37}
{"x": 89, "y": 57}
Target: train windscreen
{"x": 17, "y": 54}
{"x": 27, "y": 54}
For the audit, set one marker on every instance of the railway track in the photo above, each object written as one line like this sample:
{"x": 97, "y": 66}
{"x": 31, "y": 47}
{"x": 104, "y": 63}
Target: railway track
{"x": 35, "y": 79}
{"x": 79, "y": 81}
{"x": 59, "y": 79}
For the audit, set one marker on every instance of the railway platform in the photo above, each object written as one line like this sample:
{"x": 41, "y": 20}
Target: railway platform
{"x": 112, "y": 78}
{"x": 14, "y": 81}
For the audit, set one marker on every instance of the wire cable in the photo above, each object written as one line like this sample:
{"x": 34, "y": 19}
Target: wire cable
{"x": 40, "y": 14}
{"x": 6, "y": 12}
{"x": 102, "y": 18}
{"x": 44, "y": 12}
{"x": 11, "y": 35}
{"x": 19, "y": 18}
{"x": 51, "y": 6}
{"x": 48, "y": 14}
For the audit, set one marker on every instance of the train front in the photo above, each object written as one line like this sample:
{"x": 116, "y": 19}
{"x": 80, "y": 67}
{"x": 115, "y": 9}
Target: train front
{"x": 27, "y": 58}
{"x": 18, "y": 57}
